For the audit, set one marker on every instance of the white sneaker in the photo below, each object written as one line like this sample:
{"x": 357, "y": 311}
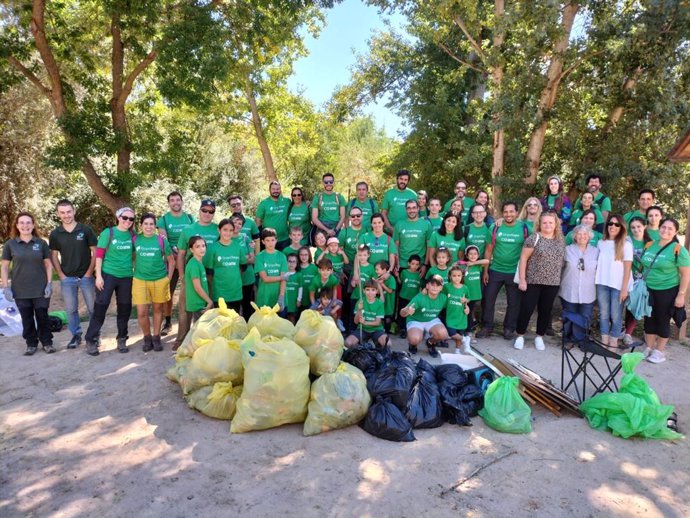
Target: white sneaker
{"x": 656, "y": 357}
{"x": 627, "y": 339}
{"x": 539, "y": 343}
{"x": 519, "y": 343}
{"x": 466, "y": 344}
{"x": 647, "y": 351}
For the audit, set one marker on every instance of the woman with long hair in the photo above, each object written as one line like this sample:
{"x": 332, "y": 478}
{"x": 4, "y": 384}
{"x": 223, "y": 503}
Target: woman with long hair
{"x": 449, "y": 236}
{"x": 298, "y": 213}
{"x": 555, "y": 199}
{"x": 530, "y": 212}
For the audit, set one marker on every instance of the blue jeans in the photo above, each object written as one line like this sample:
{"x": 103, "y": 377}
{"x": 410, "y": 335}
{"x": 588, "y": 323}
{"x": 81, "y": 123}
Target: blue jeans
{"x": 610, "y": 311}
{"x": 70, "y": 295}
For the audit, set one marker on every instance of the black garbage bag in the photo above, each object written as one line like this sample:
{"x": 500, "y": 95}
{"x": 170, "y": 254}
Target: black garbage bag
{"x": 424, "y": 408}
{"x": 426, "y": 370}
{"x": 452, "y": 374}
{"x": 460, "y": 402}
{"x": 364, "y": 358}
{"x": 386, "y": 421}
{"x": 393, "y": 381}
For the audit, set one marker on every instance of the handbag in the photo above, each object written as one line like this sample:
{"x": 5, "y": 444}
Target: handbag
{"x": 516, "y": 277}
{"x": 638, "y": 298}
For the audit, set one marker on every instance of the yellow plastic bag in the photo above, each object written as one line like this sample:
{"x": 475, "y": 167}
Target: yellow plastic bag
{"x": 276, "y": 384}
{"x": 338, "y": 399}
{"x": 212, "y": 324}
{"x": 321, "y": 339}
{"x": 178, "y": 370}
{"x": 219, "y": 360}
{"x": 217, "y": 401}
{"x": 268, "y": 323}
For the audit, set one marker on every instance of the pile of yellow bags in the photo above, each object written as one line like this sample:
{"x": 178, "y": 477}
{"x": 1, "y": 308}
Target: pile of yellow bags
{"x": 256, "y": 373}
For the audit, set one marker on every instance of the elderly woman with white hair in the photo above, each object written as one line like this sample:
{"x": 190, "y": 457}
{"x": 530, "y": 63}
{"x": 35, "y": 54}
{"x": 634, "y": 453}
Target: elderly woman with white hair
{"x": 114, "y": 272}
{"x": 578, "y": 291}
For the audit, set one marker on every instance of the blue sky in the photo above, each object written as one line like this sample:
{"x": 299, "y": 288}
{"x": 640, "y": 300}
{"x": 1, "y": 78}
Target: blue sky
{"x": 348, "y": 27}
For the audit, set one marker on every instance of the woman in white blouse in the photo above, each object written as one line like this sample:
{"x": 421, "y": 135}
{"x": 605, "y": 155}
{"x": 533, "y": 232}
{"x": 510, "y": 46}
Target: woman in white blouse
{"x": 613, "y": 278}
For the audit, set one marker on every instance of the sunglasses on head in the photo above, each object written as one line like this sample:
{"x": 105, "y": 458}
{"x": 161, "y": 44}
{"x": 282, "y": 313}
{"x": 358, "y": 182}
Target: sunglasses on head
{"x": 613, "y": 224}
{"x": 208, "y": 211}
{"x": 127, "y": 218}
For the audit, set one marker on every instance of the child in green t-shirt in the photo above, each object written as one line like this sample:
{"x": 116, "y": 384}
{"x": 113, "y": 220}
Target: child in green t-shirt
{"x": 422, "y": 315}
{"x": 296, "y": 236}
{"x": 271, "y": 266}
{"x": 473, "y": 270}
{"x": 443, "y": 259}
{"x": 387, "y": 287}
{"x": 293, "y": 289}
{"x": 308, "y": 271}
{"x": 325, "y": 279}
{"x": 369, "y": 317}
{"x": 410, "y": 284}
{"x": 336, "y": 255}
{"x": 196, "y": 283}
{"x": 363, "y": 270}
{"x": 457, "y": 310}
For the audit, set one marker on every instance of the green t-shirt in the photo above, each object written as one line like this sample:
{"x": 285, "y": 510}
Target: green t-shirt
{"x": 479, "y": 236}
{"x": 292, "y": 287}
{"x": 118, "y": 256}
{"x": 338, "y": 262}
{"x": 630, "y": 215}
{"x": 638, "y": 250}
{"x": 455, "y": 307}
{"x": 308, "y": 273}
{"x": 194, "y": 270}
{"x": 300, "y": 216}
{"x": 473, "y": 281}
{"x": 435, "y": 270}
{"x": 208, "y": 232}
{"x": 328, "y": 206}
{"x": 653, "y": 234}
{"x": 174, "y": 225}
{"x": 411, "y": 238}
{"x": 226, "y": 270}
{"x": 370, "y": 312}
{"x": 149, "y": 259}
{"x": 601, "y": 202}
{"x": 250, "y": 229}
{"x": 437, "y": 241}
{"x": 379, "y": 247}
{"x": 273, "y": 263}
{"x": 575, "y": 218}
{"x": 426, "y": 308}
{"x": 248, "y": 276}
{"x": 366, "y": 272}
{"x": 290, "y": 250}
{"x": 409, "y": 284}
{"x": 369, "y": 207}
{"x": 435, "y": 222}
{"x": 509, "y": 241}
{"x": 348, "y": 239}
{"x": 273, "y": 214}
{"x": 394, "y": 203}
{"x": 664, "y": 273}
{"x": 316, "y": 284}
{"x": 467, "y": 204}
{"x": 596, "y": 236}
{"x": 389, "y": 298}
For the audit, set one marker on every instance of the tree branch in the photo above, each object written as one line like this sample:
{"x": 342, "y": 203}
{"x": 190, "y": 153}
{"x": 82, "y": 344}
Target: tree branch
{"x": 129, "y": 82}
{"x": 38, "y": 30}
{"x": 460, "y": 23}
{"x": 577, "y": 63}
{"x": 462, "y": 62}
{"x": 29, "y": 75}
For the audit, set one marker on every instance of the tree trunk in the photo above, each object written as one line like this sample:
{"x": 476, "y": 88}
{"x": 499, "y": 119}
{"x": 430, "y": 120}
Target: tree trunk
{"x": 258, "y": 130}
{"x": 117, "y": 101}
{"x": 548, "y": 95}
{"x": 618, "y": 110}
{"x": 499, "y": 145}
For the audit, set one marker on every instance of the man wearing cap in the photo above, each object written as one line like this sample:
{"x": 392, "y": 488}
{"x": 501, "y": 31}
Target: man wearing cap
{"x": 460, "y": 194}
{"x": 272, "y": 213}
{"x": 394, "y": 206}
{"x": 365, "y": 203}
{"x": 73, "y": 254}
{"x": 328, "y": 208}
{"x": 171, "y": 226}
{"x": 206, "y": 228}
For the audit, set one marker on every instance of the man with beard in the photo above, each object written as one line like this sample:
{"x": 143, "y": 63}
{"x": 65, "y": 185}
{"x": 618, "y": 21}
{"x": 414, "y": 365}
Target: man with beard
{"x": 272, "y": 213}
{"x": 393, "y": 207}
{"x": 328, "y": 208}
{"x": 601, "y": 201}
{"x": 365, "y": 203}
{"x": 460, "y": 194}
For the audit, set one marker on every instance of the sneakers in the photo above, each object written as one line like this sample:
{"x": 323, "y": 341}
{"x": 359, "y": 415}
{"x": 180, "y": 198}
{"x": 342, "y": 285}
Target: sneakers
{"x": 157, "y": 344}
{"x": 433, "y": 352}
{"x": 647, "y": 351}
{"x": 628, "y": 339}
{"x": 148, "y": 344}
{"x": 412, "y": 349}
{"x": 167, "y": 327}
{"x": 74, "y": 342}
{"x": 509, "y": 334}
{"x": 403, "y": 333}
{"x": 656, "y": 357}
{"x": 549, "y": 332}
{"x": 485, "y": 332}
{"x": 442, "y": 344}
{"x": 539, "y": 343}
{"x": 122, "y": 345}
{"x": 30, "y": 350}
{"x": 519, "y": 343}
{"x": 92, "y": 348}
{"x": 466, "y": 341}
{"x": 49, "y": 349}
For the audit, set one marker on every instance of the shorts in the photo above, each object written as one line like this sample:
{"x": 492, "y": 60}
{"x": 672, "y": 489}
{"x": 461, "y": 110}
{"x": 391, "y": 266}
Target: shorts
{"x": 147, "y": 292}
{"x": 368, "y": 335}
{"x": 424, "y": 326}
{"x": 452, "y": 331}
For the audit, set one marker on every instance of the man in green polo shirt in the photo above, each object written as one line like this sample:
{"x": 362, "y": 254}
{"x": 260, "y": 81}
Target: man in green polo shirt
{"x": 328, "y": 208}
{"x": 460, "y": 194}
{"x": 272, "y": 213}
{"x": 171, "y": 226}
{"x": 365, "y": 203}
{"x": 412, "y": 235}
{"x": 503, "y": 251}
{"x": 394, "y": 200}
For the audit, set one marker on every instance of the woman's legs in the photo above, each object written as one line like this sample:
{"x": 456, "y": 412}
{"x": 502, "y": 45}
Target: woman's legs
{"x": 603, "y": 299}
{"x": 545, "y": 307}
{"x": 528, "y": 304}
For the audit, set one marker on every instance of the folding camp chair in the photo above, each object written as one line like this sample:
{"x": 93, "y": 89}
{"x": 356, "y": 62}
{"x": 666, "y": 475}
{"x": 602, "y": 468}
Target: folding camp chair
{"x": 596, "y": 366}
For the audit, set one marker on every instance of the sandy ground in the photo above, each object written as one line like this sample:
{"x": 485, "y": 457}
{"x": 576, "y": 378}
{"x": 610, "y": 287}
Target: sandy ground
{"x": 111, "y": 436}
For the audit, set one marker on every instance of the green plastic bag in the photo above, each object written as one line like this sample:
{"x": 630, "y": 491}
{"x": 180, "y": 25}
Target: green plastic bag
{"x": 634, "y": 411}
{"x": 62, "y": 315}
{"x": 338, "y": 399}
{"x": 504, "y": 409}
{"x": 321, "y": 339}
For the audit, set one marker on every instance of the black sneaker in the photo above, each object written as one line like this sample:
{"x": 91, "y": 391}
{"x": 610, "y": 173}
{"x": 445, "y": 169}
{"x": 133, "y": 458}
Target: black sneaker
{"x": 433, "y": 352}
{"x": 412, "y": 349}
{"x": 92, "y": 348}
{"x": 509, "y": 335}
{"x": 442, "y": 344}
{"x": 49, "y": 349}
{"x": 550, "y": 331}
{"x": 148, "y": 344}
{"x": 157, "y": 344}
{"x": 403, "y": 333}
{"x": 484, "y": 332}
{"x": 74, "y": 342}
{"x": 30, "y": 350}
{"x": 122, "y": 345}
{"x": 167, "y": 327}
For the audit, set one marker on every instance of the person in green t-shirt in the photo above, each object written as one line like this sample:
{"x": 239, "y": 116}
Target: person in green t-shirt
{"x": 171, "y": 226}
{"x": 387, "y": 287}
{"x": 249, "y": 226}
{"x": 293, "y": 288}
{"x": 308, "y": 271}
{"x": 410, "y": 281}
{"x": 198, "y": 299}
{"x": 449, "y": 236}
{"x": 325, "y": 279}
{"x": 434, "y": 217}
{"x": 367, "y": 205}
{"x": 667, "y": 266}
{"x": 349, "y": 236}
{"x": 422, "y": 200}
{"x": 272, "y": 213}
{"x": 587, "y": 219}
{"x": 271, "y": 266}
{"x": 655, "y": 215}
{"x": 412, "y": 234}
{"x": 299, "y": 214}
{"x": 473, "y": 268}
{"x": 328, "y": 208}
{"x": 228, "y": 262}
{"x": 600, "y": 200}
{"x": 586, "y": 202}
{"x": 422, "y": 315}
{"x": 248, "y": 249}
{"x": 478, "y": 233}
{"x": 363, "y": 271}
{"x": 369, "y": 317}
{"x": 393, "y": 207}
{"x": 337, "y": 256}
{"x": 457, "y": 310}
{"x": 380, "y": 244}
{"x": 442, "y": 262}
{"x": 296, "y": 238}
{"x": 466, "y": 203}
{"x": 114, "y": 272}
{"x": 556, "y": 200}
{"x": 645, "y": 199}
{"x": 154, "y": 265}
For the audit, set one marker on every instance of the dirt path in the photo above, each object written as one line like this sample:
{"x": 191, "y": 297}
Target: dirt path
{"x": 111, "y": 436}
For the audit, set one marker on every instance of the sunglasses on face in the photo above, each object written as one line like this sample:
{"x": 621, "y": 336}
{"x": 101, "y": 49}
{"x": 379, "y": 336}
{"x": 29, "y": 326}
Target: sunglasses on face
{"x": 581, "y": 264}
{"x": 296, "y": 194}
{"x": 614, "y": 224}
{"x": 328, "y": 182}
{"x": 208, "y": 211}
{"x": 127, "y": 218}
{"x": 355, "y": 215}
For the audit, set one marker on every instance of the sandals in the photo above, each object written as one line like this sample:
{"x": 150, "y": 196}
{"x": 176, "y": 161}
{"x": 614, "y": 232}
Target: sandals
{"x": 672, "y": 422}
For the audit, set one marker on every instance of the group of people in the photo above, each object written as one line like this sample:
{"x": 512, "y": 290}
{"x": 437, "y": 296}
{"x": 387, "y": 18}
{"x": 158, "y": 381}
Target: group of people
{"x": 432, "y": 270}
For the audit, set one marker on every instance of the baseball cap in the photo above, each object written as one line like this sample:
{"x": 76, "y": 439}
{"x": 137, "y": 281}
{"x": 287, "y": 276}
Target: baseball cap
{"x": 208, "y": 203}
